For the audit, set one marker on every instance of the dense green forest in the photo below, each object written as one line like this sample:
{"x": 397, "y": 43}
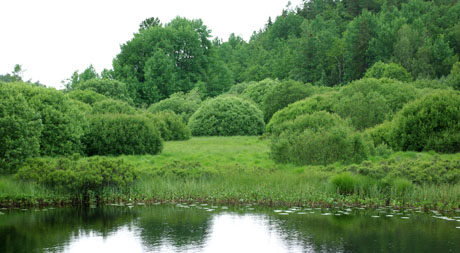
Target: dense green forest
{"x": 334, "y": 84}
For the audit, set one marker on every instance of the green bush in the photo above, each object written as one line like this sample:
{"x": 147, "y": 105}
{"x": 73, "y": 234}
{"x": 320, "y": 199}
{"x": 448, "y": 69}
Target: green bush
{"x": 113, "y": 107}
{"x": 430, "y": 84}
{"x": 381, "y": 134}
{"x": 20, "y": 129}
{"x": 344, "y": 183}
{"x": 318, "y": 139}
{"x": 315, "y": 103}
{"x": 283, "y": 94}
{"x": 181, "y": 104}
{"x": 239, "y": 88}
{"x": 227, "y": 116}
{"x": 170, "y": 125}
{"x": 388, "y": 70}
{"x": 79, "y": 177}
{"x": 116, "y": 134}
{"x": 110, "y": 88}
{"x": 429, "y": 123}
{"x": 63, "y": 125}
{"x": 86, "y": 96}
{"x": 256, "y": 91}
{"x": 368, "y": 102}
{"x": 80, "y": 106}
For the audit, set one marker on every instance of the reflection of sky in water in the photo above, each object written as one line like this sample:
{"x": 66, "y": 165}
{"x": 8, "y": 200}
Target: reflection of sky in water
{"x": 202, "y": 229}
{"x": 228, "y": 233}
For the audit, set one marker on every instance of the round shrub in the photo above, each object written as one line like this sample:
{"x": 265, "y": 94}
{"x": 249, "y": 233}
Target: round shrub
{"x": 388, "y": 70}
{"x": 256, "y": 91}
{"x": 181, "y": 104}
{"x": 315, "y": 103}
{"x": 283, "y": 94}
{"x": 170, "y": 125}
{"x": 110, "y": 88}
{"x": 429, "y": 123}
{"x": 20, "y": 129}
{"x": 227, "y": 116}
{"x": 86, "y": 96}
{"x": 318, "y": 139}
{"x": 63, "y": 125}
{"x": 113, "y": 106}
{"x": 117, "y": 134}
{"x": 368, "y": 102}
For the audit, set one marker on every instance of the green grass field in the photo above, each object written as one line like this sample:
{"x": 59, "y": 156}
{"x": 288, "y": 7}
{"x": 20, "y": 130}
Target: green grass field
{"x": 238, "y": 170}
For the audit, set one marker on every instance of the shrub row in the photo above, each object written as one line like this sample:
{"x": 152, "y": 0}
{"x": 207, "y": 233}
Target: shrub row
{"x": 80, "y": 177}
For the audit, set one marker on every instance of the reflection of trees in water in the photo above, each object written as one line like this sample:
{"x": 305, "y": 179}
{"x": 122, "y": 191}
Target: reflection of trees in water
{"x": 178, "y": 226}
{"x": 361, "y": 233}
{"x": 37, "y": 231}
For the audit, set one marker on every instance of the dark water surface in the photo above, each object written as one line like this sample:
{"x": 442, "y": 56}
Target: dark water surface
{"x": 199, "y": 228}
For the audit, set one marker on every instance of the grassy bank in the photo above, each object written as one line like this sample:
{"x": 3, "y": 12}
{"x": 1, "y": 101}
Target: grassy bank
{"x": 238, "y": 170}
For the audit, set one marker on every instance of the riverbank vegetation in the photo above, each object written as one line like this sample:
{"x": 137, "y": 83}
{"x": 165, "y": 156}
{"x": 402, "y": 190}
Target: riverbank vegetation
{"x": 328, "y": 105}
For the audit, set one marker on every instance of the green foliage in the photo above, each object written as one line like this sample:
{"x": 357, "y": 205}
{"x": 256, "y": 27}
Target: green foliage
{"x": 63, "y": 125}
{"x": 159, "y": 77}
{"x": 430, "y": 84}
{"x": 226, "y": 116}
{"x": 116, "y": 134}
{"x": 368, "y": 102}
{"x": 181, "y": 104}
{"x": 381, "y": 134}
{"x": 76, "y": 78}
{"x": 79, "y": 177}
{"x": 402, "y": 186}
{"x": 220, "y": 78}
{"x": 388, "y": 70}
{"x": 454, "y": 77}
{"x": 113, "y": 107}
{"x": 20, "y": 129}
{"x": 162, "y": 60}
{"x": 81, "y": 107}
{"x": 318, "y": 139}
{"x": 256, "y": 91}
{"x": 283, "y": 94}
{"x": 86, "y": 96}
{"x": 429, "y": 123}
{"x": 344, "y": 183}
{"x": 315, "y": 103}
{"x": 238, "y": 88}
{"x": 109, "y": 88}
{"x": 170, "y": 125}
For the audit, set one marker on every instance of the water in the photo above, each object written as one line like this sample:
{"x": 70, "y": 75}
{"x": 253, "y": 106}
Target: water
{"x": 197, "y": 228}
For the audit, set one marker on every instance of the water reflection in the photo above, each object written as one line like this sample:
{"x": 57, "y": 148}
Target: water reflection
{"x": 213, "y": 229}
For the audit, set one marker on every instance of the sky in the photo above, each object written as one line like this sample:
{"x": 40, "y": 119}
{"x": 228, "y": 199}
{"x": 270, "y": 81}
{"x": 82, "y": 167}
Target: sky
{"x": 53, "y": 38}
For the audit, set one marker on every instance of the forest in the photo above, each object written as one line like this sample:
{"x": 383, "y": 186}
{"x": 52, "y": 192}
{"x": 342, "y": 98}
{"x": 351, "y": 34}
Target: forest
{"x": 332, "y": 102}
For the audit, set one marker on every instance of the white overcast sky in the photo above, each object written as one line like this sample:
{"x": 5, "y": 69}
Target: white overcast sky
{"x": 53, "y": 38}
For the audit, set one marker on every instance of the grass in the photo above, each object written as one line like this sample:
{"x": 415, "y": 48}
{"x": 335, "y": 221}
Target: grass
{"x": 238, "y": 170}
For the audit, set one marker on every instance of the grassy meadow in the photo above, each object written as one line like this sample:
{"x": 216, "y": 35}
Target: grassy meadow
{"x": 238, "y": 170}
